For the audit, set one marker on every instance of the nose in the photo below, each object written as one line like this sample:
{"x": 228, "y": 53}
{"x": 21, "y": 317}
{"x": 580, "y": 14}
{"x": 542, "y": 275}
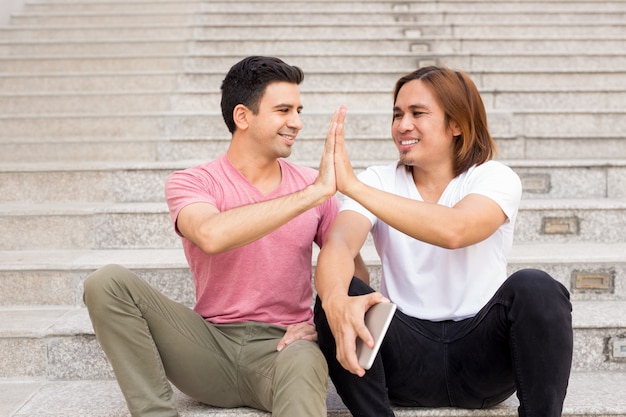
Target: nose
{"x": 404, "y": 124}
{"x": 295, "y": 121}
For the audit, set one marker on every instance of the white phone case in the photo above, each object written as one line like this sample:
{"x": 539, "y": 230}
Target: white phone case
{"x": 377, "y": 320}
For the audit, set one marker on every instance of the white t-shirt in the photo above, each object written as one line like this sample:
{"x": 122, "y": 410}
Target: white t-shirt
{"x": 430, "y": 282}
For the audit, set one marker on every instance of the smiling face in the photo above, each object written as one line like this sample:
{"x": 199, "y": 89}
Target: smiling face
{"x": 419, "y": 128}
{"x": 277, "y": 122}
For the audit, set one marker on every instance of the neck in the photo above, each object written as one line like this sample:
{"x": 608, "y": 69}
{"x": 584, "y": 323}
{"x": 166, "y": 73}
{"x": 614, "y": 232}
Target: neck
{"x": 431, "y": 183}
{"x": 264, "y": 173}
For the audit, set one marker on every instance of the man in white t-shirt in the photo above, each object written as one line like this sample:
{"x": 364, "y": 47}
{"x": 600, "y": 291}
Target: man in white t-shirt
{"x": 442, "y": 219}
{"x": 247, "y": 221}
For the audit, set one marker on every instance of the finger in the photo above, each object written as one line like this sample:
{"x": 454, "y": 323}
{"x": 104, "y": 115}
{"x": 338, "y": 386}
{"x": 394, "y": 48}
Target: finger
{"x": 282, "y": 343}
{"x": 349, "y": 360}
{"x": 340, "y": 124}
{"x": 332, "y": 127}
{"x": 361, "y": 329}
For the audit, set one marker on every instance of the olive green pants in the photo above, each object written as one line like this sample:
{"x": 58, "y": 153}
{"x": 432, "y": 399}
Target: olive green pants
{"x": 150, "y": 339}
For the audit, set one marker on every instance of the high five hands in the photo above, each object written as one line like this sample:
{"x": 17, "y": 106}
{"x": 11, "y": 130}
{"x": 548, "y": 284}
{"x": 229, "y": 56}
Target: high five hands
{"x": 335, "y": 168}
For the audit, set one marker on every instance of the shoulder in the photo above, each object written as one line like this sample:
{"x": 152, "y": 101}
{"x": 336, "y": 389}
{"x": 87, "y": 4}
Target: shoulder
{"x": 202, "y": 170}
{"x": 201, "y": 176}
{"x": 496, "y": 181}
{"x": 493, "y": 170}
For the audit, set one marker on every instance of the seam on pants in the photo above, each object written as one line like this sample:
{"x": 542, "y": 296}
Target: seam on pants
{"x": 521, "y": 384}
{"x": 446, "y": 362}
{"x": 167, "y": 387}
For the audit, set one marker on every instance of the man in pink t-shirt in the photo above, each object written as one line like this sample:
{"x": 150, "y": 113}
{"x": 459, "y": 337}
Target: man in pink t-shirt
{"x": 247, "y": 221}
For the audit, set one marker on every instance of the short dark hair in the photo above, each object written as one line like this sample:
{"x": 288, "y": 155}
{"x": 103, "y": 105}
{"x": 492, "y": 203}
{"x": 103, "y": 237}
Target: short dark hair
{"x": 461, "y": 102}
{"x": 246, "y": 81}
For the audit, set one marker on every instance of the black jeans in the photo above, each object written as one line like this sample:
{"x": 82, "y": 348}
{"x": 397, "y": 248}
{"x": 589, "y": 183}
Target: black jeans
{"x": 520, "y": 340}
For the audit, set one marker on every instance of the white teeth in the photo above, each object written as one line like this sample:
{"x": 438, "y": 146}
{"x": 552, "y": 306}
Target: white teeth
{"x": 409, "y": 142}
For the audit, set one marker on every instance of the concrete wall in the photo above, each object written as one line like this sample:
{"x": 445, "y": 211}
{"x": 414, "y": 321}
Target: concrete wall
{"x": 7, "y": 7}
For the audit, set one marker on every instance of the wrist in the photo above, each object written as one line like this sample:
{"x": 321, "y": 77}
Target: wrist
{"x": 353, "y": 190}
{"x": 318, "y": 193}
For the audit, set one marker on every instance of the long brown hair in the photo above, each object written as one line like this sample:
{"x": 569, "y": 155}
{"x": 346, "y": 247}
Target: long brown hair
{"x": 461, "y": 102}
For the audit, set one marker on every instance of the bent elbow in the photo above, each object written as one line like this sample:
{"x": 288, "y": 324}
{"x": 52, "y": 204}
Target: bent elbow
{"x": 208, "y": 242}
{"x": 454, "y": 239}
{"x": 453, "y": 244}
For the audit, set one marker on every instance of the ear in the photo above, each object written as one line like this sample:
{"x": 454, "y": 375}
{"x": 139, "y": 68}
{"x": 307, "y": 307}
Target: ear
{"x": 240, "y": 116}
{"x": 454, "y": 128}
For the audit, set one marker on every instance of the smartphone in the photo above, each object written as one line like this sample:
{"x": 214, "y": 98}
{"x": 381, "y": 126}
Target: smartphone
{"x": 377, "y": 320}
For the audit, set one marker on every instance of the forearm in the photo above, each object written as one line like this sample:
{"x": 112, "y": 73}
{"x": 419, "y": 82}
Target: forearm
{"x": 334, "y": 271}
{"x": 432, "y": 223}
{"x": 242, "y": 225}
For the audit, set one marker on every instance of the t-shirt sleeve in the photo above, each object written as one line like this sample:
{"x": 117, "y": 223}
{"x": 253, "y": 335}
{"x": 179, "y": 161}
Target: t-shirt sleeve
{"x": 499, "y": 183}
{"x": 183, "y": 188}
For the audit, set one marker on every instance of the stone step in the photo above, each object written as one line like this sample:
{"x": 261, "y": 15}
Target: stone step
{"x": 469, "y": 44}
{"x": 294, "y": 46}
{"x": 152, "y": 17}
{"x": 172, "y": 147}
{"x": 94, "y": 48}
{"x": 76, "y": 225}
{"x": 52, "y": 64}
{"x": 113, "y": 64}
{"x": 143, "y": 181}
{"x": 208, "y": 46}
{"x": 517, "y": 31}
{"x": 451, "y": 16}
{"x": 591, "y": 271}
{"x": 589, "y": 394}
{"x": 328, "y": 80}
{"x": 21, "y": 36}
{"x": 59, "y": 343}
{"x": 546, "y": 124}
{"x": 129, "y": 82}
{"x": 373, "y": 101}
{"x": 454, "y": 6}
{"x": 182, "y": 6}
{"x": 303, "y": 31}
{"x": 478, "y": 6}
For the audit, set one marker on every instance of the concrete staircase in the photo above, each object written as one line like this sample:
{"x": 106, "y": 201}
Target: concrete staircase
{"x": 101, "y": 99}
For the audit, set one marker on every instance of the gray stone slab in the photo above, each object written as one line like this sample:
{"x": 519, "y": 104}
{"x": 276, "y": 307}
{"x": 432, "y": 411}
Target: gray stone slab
{"x": 25, "y": 18}
{"x": 52, "y": 273}
{"x": 100, "y": 32}
{"x": 64, "y": 347}
{"x": 417, "y": 7}
{"x": 103, "y": 49}
{"x": 147, "y": 225}
{"x": 14, "y": 394}
{"x": 119, "y": 182}
{"x": 589, "y": 394}
{"x": 568, "y": 221}
{"x": 359, "y": 125}
{"x": 139, "y": 82}
{"x": 48, "y": 65}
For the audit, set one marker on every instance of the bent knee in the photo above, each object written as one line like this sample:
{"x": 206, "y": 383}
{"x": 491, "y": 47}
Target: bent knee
{"x": 98, "y": 281}
{"x": 539, "y": 293}
{"x": 533, "y": 282}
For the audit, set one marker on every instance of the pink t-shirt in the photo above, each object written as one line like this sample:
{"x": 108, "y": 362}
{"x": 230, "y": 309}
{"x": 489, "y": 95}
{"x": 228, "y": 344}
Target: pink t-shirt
{"x": 268, "y": 280}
